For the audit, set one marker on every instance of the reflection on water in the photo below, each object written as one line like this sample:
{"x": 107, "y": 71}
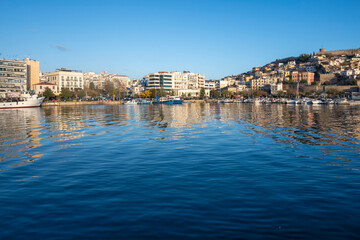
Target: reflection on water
{"x": 24, "y": 130}
{"x": 203, "y": 171}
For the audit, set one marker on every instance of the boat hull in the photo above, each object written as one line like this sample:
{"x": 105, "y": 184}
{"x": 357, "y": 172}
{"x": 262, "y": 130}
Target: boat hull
{"x": 173, "y": 102}
{"x": 22, "y": 104}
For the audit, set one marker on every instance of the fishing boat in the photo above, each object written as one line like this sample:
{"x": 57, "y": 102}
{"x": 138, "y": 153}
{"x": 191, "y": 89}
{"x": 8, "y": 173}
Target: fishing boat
{"x": 170, "y": 100}
{"x": 22, "y": 100}
{"x": 144, "y": 102}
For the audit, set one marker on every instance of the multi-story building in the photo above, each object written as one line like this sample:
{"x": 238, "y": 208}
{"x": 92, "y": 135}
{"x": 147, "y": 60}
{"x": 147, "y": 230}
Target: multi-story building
{"x": 196, "y": 80}
{"x": 257, "y": 83}
{"x": 179, "y": 81}
{"x": 187, "y": 80}
{"x": 65, "y": 78}
{"x": 299, "y": 76}
{"x": 33, "y": 73}
{"x": 39, "y": 88}
{"x": 160, "y": 80}
{"x": 99, "y": 79}
{"x": 210, "y": 84}
{"x": 12, "y": 75}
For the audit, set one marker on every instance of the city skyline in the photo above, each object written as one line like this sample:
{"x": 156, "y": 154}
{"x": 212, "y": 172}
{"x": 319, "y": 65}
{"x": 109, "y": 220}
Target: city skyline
{"x": 210, "y": 37}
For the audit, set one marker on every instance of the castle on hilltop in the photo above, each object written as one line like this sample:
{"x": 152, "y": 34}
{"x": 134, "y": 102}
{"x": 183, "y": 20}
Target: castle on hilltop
{"x": 347, "y": 52}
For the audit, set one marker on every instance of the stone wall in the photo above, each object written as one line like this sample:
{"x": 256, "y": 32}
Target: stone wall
{"x": 331, "y": 77}
{"x": 339, "y": 52}
{"x": 305, "y": 88}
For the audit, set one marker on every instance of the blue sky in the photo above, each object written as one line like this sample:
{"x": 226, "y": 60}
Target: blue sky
{"x": 216, "y": 38}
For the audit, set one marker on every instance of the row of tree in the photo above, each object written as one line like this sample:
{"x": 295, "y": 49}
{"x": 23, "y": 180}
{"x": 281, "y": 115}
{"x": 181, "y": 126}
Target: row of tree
{"x": 109, "y": 90}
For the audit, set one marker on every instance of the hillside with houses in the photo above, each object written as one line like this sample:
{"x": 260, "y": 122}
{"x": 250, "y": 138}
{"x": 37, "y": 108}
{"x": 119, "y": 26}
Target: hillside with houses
{"x": 333, "y": 72}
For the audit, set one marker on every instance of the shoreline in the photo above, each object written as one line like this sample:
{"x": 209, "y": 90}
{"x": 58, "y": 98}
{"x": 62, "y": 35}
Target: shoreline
{"x": 51, "y": 104}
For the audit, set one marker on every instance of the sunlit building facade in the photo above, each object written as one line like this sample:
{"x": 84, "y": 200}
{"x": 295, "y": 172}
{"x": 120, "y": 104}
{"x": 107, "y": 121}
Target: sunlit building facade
{"x": 160, "y": 80}
{"x": 12, "y": 76}
{"x": 65, "y": 78}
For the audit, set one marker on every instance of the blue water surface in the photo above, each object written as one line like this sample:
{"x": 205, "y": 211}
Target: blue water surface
{"x": 191, "y": 171}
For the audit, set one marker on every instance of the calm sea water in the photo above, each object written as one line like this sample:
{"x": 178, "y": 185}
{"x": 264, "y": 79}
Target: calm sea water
{"x": 191, "y": 171}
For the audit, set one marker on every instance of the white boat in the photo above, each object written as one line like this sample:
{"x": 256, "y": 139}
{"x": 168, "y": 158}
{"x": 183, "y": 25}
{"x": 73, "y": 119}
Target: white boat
{"x": 227, "y": 100}
{"x": 291, "y": 101}
{"x": 24, "y": 100}
{"x": 131, "y": 102}
{"x": 317, "y": 101}
{"x": 342, "y": 101}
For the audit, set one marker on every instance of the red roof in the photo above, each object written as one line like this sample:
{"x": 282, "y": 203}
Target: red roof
{"x": 44, "y": 83}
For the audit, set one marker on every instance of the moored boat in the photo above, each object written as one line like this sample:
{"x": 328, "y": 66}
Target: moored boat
{"x": 131, "y": 102}
{"x": 144, "y": 102}
{"x": 24, "y": 100}
{"x": 174, "y": 100}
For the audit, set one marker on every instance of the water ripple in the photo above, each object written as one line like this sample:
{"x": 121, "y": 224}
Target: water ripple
{"x": 208, "y": 171}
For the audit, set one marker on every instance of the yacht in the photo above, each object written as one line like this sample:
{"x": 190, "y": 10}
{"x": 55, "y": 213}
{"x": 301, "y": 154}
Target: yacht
{"x": 24, "y": 100}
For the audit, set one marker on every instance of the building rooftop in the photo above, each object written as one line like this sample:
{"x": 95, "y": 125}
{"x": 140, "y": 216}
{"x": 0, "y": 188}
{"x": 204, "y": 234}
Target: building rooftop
{"x": 67, "y": 70}
{"x": 44, "y": 83}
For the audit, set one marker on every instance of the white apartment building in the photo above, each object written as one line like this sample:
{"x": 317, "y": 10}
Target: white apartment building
{"x": 99, "y": 79}
{"x": 210, "y": 85}
{"x": 65, "y": 78}
{"x": 259, "y": 83}
{"x": 187, "y": 80}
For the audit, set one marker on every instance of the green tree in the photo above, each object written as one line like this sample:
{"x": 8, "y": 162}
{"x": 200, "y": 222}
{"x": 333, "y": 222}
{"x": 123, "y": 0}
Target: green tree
{"x": 81, "y": 93}
{"x": 304, "y": 57}
{"x": 162, "y": 92}
{"x": 214, "y": 94}
{"x": 352, "y": 82}
{"x": 109, "y": 88}
{"x": 202, "y": 93}
{"x": 92, "y": 86}
{"x": 224, "y": 93}
{"x": 66, "y": 93}
{"x": 48, "y": 93}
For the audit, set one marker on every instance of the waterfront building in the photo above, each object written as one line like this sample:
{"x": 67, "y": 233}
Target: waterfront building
{"x": 160, "y": 80}
{"x": 39, "y": 88}
{"x": 12, "y": 76}
{"x": 33, "y": 73}
{"x": 210, "y": 84}
{"x": 189, "y": 93}
{"x": 276, "y": 88}
{"x": 99, "y": 79}
{"x": 65, "y": 78}
{"x": 187, "y": 80}
{"x": 230, "y": 89}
